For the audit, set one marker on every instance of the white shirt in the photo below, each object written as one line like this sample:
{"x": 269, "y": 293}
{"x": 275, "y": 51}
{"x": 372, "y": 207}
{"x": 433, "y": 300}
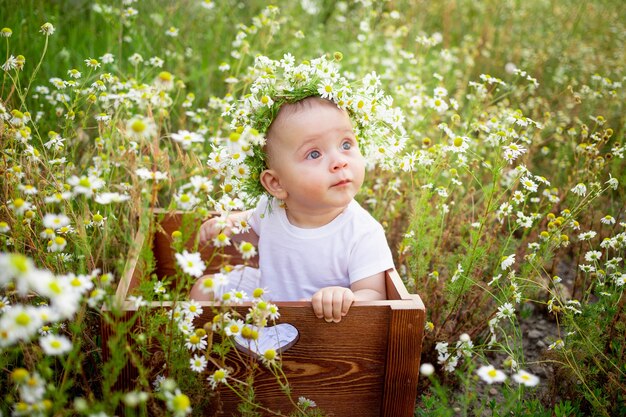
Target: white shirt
{"x": 295, "y": 263}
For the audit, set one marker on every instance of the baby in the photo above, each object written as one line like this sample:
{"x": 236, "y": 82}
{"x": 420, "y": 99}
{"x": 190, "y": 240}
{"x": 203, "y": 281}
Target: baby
{"x": 314, "y": 240}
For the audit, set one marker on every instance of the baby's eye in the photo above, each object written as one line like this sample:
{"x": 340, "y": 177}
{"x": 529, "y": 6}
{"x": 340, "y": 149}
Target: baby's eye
{"x": 346, "y": 145}
{"x": 313, "y": 155}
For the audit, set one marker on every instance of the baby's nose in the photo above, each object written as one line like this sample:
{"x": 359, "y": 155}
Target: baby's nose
{"x": 338, "y": 163}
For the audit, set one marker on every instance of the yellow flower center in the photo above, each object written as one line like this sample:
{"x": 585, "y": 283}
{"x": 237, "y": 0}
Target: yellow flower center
{"x": 181, "y": 402}
{"x": 54, "y": 287}
{"x": 138, "y": 126}
{"x": 165, "y": 76}
{"x": 270, "y": 354}
{"x": 22, "y": 319}
{"x": 20, "y": 262}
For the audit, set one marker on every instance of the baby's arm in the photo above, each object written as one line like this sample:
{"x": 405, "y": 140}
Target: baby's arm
{"x": 211, "y": 228}
{"x": 332, "y": 303}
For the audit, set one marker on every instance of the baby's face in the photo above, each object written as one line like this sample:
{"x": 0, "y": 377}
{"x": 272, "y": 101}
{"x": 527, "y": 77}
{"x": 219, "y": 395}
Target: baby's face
{"x": 315, "y": 155}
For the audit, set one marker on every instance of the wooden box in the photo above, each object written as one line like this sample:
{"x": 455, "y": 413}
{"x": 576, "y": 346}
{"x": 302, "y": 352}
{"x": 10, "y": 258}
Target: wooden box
{"x": 366, "y": 365}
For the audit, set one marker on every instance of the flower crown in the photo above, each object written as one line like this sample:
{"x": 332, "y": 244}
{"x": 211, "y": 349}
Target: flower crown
{"x": 377, "y": 125}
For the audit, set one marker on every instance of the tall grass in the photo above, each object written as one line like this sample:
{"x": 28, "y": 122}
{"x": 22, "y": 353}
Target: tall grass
{"x": 508, "y": 201}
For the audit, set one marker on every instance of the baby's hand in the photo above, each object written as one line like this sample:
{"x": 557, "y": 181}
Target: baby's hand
{"x": 332, "y": 303}
{"x": 213, "y": 227}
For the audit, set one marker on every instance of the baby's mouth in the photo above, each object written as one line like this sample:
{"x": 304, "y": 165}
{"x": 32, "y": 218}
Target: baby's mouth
{"x": 342, "y": 182}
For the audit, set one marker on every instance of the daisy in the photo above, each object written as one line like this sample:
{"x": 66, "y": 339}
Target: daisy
{"x": 208, "y": 285}
{"x": 55, "y": 221}
{"x": 195, "y": 342}
{"x": 489, "y": 374}
{"x": 239, "y": 296}
{"x": 505, "y": 310}
{"x": 507, "y": 261}
{"x": 159, "y": 287}
{"x": 192, "y": 309}
{"x": 79, "y": 283}
{"x": 86, "y": 184}
{"x": 438, "y": 104}
{"x": 4, "y": 227}
{"x": 137, "y": 301}
{"x": 150, "y": 175}
{"x": 186, "y": 138}
{"x": 221, "y": 240}
{"x": 20, "y": 323}
{"x": 58, "y": 197}
{"x": 529, "y": 184}
{"x": 587, "y": 235}
{"x": 593, "y": 256}
{"x": 523, "y": 377}
{"x": 164, "y": 81}
{"x": 185, "y": 325}
{"x": 20, "y": 206}
{"x": 612, "y": 182}
{"x": 273, "y": 313}
{"x": 156, "y": 62}
{"x": 171, "y": 32}
{"x": 218, "y": 377}
{"x": 139, "y": 127}
{"x": 200, "y": 183}
{"x": 305, "y": 403}
{"x": 191, "y": 263}
{"x": 32, "y": 389}
{"x": 92, "y": 63}
{"x": 47, "y": 29}
{"x": 48, "y": 234}
{"x": 247, "y": 250}
{"x": 57, "y": 244}
{"x": 326, "y": 90}
{"x": 178, "y": 403}
{"x": 608, "y": 219}
{"x": 269, "y": 357}
{"x": 95, "y": 297}
{"x": 186, "y": 201}
{"x": 108, "y": 198}
{"x": 198, "y": 363}
{"x": 234, "y": 327}
{"x": 579, "y": 189}
{"x": 512, "y": 151}
{"x": 54, "y": 345}
{"x": 5, "y": 304}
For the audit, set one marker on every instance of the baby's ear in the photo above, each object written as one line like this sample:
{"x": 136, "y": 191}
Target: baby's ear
{"x": 271, "y": 183}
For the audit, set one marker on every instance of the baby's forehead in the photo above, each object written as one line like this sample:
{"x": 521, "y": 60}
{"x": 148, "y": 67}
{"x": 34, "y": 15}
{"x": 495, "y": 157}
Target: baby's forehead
{"x": 290, "y": 110}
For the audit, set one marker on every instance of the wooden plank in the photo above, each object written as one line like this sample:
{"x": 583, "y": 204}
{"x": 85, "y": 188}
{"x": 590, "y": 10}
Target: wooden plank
{"x": 403, "y": 360}
{"x": 340, "y": 366}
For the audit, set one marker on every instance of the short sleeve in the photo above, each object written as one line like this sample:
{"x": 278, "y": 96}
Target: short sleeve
{"x": 370, "y": 254}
